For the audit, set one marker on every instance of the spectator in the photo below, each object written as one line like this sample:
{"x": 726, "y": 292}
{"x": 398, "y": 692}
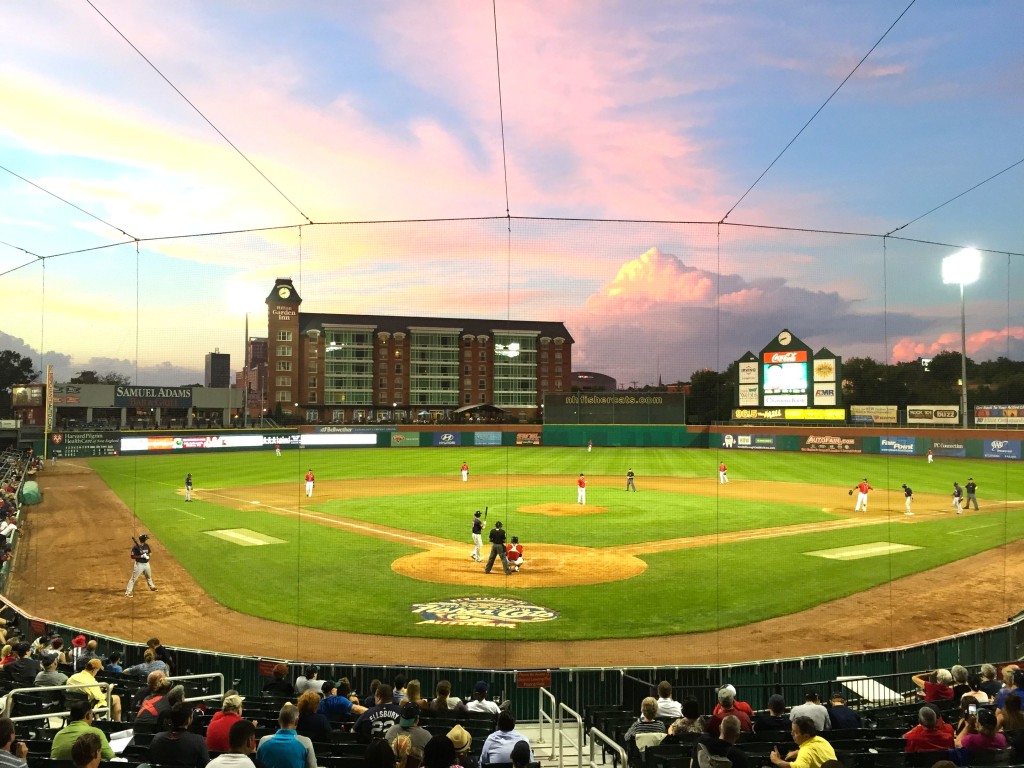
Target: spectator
{"x": 480, "y": 702}
{"x": 1011, "y": 721}
{"x": 741, "y": 706}
{"x": 462, "y": 740}
{"x": 960, "y": 681}
{"x": 667, "y": 706}
{"x": 408, "y": 725}
{"x": 722, "y": 747}
{"x": 940, "y": 690}
{"x": 1014, "y": 684}
{"x": 86, "y": 651}
{"x": 312, "y": 724}
{"x": 776, "y": 719}
{"x": 308, "y": 680}
{"x": 154, "y": 707}
{"x": 520, "y": 754}
{"x": 692, "y": 720}
{"x": 369, "y": 701}
{"x": 337, "y": 705}
{"x": 278, "y": 685}
{"x": 56, "y": 646}
{"x": 79, "y": 722}
{"x": 7, "y": 655}
{"x": 150, "y": 663}
{"x": 975, "y": 683}
{"x": 374, "y": 722}
{"x": 412, "y": 696}
{"x": 113, "y": 663}
{"x": 218, "y": 732}
{"x": 840, "y": 715}
{"x": 86, "y": 751}
{"x": 930, "y": 735}
{"x": 443, "y": 699}
{"x": 965, "y": 712}
{"x": 980, "y": 732}
{"x": 498, "y": 745}
{"x": 405, "y": 752}
{"x": 286, "y": 749}
{"x": 161, "y": 653}
{"x": 813, "y": 709}
{"x": 647, "y": 723}
{"x": 49, "y": 674}
{"x": 399, "y": 687}
{"x": 242, "y": 742}
{"x": 990, "y": 684}
{"x": 23, "y": 670}
{"x": 439, "y": 753}
{"x": 726, "y": 707}
{"x": 97, "y": 696}
{"x": 379, "y": 754}
{"x": 812, "y": 751}
{"x": 12, "y": 754}
{"x": 179, "y": 746}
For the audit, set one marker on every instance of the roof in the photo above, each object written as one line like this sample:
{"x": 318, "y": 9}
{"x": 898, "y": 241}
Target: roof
{"x": 393, "y": 323}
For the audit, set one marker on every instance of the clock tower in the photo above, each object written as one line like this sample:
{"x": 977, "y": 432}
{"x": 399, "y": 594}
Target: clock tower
{"x": 283, "y": 358}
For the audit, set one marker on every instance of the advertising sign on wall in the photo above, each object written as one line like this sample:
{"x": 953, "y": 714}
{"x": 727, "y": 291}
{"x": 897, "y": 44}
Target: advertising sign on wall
{"x": 933, "y": 414}
{"x": 749, "y": 442}
{"x": 999, "y": 414}
{"x": 953, "y": 448}
{"x": 153, "y": 397}
{"x": 71, "y": 445}
{"x": 874, "y": 414}
{"x": 831, "y": 444}
{"x": 487, "y": 438}
{"x": 1001, "y": 449}
{"x": 824, "y": 369}
{"x": 825, "y": 394}
{"x": 528, "y": 438}
{"x": 748, "y": 395}
{"x": 447, "y": 438}
{"x": 900, "y": 446}
{"x": 748, "y": 372}
{"x": 785, "y": 377}
{"x": 405, "y": 439}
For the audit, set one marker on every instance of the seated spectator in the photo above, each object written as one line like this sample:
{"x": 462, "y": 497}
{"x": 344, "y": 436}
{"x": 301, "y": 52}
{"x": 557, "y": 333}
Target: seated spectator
{"x": 812, "y": 751}
{"x": 520, "y": 753}
{"x": 86, "y": 751}
{"x": 930, "y": 735}
{"x": 379, "y": 754}
{"x": 462, "y": 740}
{"x": 113, "y": 663}
{"x": 975, "y": 683}
{"x": 56, "y": 646}
{"x": 480, "y": 702}
{"x": 161, "y": 653}
{"x": 14, "y": 752}
{"x": 439, "y": 753}
{"x": 334, "y": 704}
{"x": 813, "y": 709}
{"x": 408, "y": 725}
{"x": 154, "y": 705}
{"x": 279, "y": 685}
{"x": 498, "y": 746}
{"x": 840, "y": 715}
{"x": 7, "y": 655}
{"x": 286, "y": 749}
{"x": 723, "y": 747}
{"x": 738, "y": 705}
{"x": 726, "y": 707}
{"x": 242, "y": 744}
{"x": 368, "y": 701}
{"x": 150, "y": 663}
{"x": 1011, "y": 721}
{"x": 407, "y": 755}
{"x": 960, "y": 681}
{"x": 374, "y": 722}
{"x": 49, "y": 674}
{"x": 96, "y": 695}
{"x": 312, "y": 724}
{"x": 345, "y": 689}
{"x": 443, "y": 699}
{"x": 667, "y": 706}
{"x": 23, "y": 670}
{"x": 776, "y": 719}
{"x": 412, "y": 695}
{"x": 692, "y": 720}
{"x": 980, "y": 732}
{"x": 86, "y": 651}
{"x": 309, "y": 680}
{"x": 647, "y": 723}
{"x": 179, "y": 746}
{"x": 399, "y": 687}
{"x": 966, "y": 703}
{"x": 940, "y": 690}
{"x": 990, "y": 684}
{"x": 218, "y": 731}
{"x": 79, "y": 721}
{"x": 1014, "y": 684}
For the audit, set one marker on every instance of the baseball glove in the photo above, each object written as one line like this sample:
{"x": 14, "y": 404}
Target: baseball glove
{"x": 850, "y": 492}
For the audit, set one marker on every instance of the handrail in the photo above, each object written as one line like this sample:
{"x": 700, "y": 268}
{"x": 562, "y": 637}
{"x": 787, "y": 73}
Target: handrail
{"x": 544, "y": 717}
{"x": 8, "y": 706}
{"x": 578, "y": 743}
{"x": 598, "y": 735}
{"x": 206, "y": 676}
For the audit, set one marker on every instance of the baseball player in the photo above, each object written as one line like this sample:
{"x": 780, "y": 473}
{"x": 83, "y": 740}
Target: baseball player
{"x": 971, "y": 489}
{"x": 465, "y": 472}
{"x": 188, "y": 487}
{"x": 629, "y": 480}
{"x": 590, "y": 445}
{"x": 277, "y": 449}
{"x": 478, "y": 539}
{"x": 581, "y": 490}
{"x": 908, "y": 496}
{"x": 497, "y": 537}
{"x": 723, "y": 473}
{"x": 930, "y": 457}
{"x": 958, "y": 498}
{"x": 514, "y": 553}
{"x": 141, "y": 553}
{"x": 310, "y": 480}
{"x": 862, "y": 495}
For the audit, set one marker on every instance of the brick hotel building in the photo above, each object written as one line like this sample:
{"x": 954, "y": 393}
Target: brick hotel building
{"x": 334, "y": 368}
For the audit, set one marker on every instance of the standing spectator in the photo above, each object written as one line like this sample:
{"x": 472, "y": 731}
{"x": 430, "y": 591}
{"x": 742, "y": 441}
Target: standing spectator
{"x": 12, "y": 754}
{"x": 312, "y": 724}
{"x": 726, "y": 706}
{"x": 940, "y": 690}
{"x": 285, "y": 748}
{"x": 242, "y": 741}
{"x": 80, "y": 719}
{"x": 278, "y": 685}
{"x": 480, "y": 702}
{"x": 218, "y": 738}
{"x": 179, "y": 746}
{"x": 776, "y": 719}
{"x": 813, "y": 709}
{"x": 980, "y": 732}
{"x": 840, "y": 715}
{"x": 812, "y": 751}
{"x": 930, "y": 735}
{"x": 692, "y": 720}
{"x": 667, "y": 706}
{"x": 498, "y": 746}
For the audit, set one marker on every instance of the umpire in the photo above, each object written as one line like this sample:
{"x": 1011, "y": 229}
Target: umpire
{"x": 497, "y": 537}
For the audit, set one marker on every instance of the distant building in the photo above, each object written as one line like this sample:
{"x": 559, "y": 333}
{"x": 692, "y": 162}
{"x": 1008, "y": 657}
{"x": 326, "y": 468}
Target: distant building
{"x": 255, "y": 379}
{"x": 218, "y": 370}
{"x": 588, "y": 381}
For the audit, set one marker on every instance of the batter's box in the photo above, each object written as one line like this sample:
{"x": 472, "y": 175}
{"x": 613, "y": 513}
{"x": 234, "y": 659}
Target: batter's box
{"x": 243, "y": 537}
{"x": 860, "y": 551}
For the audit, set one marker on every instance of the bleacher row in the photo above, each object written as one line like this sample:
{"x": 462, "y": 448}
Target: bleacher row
{"x": 14, "y": 468}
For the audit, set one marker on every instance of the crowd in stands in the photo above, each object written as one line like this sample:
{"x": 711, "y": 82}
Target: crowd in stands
{"x": 15, "y": 466}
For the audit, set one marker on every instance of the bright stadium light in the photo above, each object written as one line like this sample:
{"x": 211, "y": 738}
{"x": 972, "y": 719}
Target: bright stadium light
{"x": 962, "y": 268}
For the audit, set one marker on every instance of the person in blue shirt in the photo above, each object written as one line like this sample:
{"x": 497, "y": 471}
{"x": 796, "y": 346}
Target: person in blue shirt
{"x": 286, "y": 749}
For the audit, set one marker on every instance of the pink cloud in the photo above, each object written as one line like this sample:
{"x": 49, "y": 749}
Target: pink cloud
{"x": 985, "y": 343}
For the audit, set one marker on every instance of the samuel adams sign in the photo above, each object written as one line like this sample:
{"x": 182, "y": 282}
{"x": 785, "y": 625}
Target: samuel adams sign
{"x": 153, "y": 397}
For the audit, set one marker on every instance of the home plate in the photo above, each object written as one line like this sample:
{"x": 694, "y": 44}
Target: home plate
{"x": 859, "y": 551}
{"x": 244, "y": 537}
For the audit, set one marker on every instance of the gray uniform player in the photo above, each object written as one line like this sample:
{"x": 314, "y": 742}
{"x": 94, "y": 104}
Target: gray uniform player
{"x": 478, "y": 539}
{"x": 141, "y": 553}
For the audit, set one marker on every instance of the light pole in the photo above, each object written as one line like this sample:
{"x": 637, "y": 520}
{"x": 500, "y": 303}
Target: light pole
{"x": 962, "y": 268}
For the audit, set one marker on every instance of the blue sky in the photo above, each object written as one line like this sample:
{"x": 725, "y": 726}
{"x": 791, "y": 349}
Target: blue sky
{"x": 369, "y": 112}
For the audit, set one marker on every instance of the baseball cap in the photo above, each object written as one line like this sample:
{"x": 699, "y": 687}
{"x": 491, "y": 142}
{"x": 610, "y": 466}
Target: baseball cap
{"x": 144, "y": 538}
{"x": 481, "y": 687}
{"x": 78, "y": 641}
{"x": 460, "y": 738}
{"x": 409, "y": 715}
{"x": 477, "y": 513}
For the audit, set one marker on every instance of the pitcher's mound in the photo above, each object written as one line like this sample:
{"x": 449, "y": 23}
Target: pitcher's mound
{"x": 547, "y": 565}
{"x": 558, "y": 510}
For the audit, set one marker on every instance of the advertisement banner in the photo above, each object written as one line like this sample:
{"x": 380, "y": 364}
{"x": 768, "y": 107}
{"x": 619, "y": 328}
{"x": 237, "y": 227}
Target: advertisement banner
{"x": 933, "y": 414}
{"x": 824, "y": 395}
{"x": 1002, "y": 449}
{"x": 405, "y": 439}
{"x": 825, "y": 369}
{"x": 831, "y": 444}
{"x": 999, "y": 415}
{"x": 953, "y": 448}
{"x": 72, "y": 445}
{"x": 153, "y": 397}
{"x": 447, "y": 438}
{"x": 528, "y": 438}
{"x": 187, "y": 442}
{"x": 874, "y": 414}
{"x": 785, "y": 378}
{"x": 748, "y": 395}
{"x": 337, "y": 430}
{"x": 368, "y": 438}
{"x": 748, "y": 372}
{"x": 749, "y": 442}
{"x": 899, "y": 446}
{"x": 487, "y": 438}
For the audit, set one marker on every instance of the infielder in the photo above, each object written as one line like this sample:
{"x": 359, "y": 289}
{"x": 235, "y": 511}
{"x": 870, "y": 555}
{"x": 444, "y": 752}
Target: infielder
{"x": 958, "y": 498}
{"x": 629, "y": 480}
{"x": 141, "y": 553}
{"x": 310, "y": 480}
{"x": 908, "y": 495}
{"x": 497, "y": 537}
{"x": 581, "y": 490}
{"x": 478, "y": 539}
{"x": 862, "y": 495}
{"x": 188, "y": 487}
{"x": 723, "y": 473}
{"x": 465, "y": 472}
{"x": 514, "y": 553}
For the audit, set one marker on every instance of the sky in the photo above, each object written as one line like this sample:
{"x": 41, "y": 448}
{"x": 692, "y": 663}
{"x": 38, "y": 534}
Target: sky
{"x": 624, "y": 135}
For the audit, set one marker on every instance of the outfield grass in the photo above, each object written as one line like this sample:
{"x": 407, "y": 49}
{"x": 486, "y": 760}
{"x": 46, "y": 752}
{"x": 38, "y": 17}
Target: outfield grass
{"x": 336, "y": 579}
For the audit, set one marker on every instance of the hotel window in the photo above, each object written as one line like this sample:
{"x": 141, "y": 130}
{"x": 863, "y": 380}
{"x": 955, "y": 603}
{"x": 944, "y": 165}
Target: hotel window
{"x": 398, "y": 354}
{"x": 483, "y": 369}
{"x": 558, "y": 355}
{"x": 483, "y": 383}
{"x": 284, "y": 335}
{"x": 467, "y": 383}
{"x": 398, "y": 367}
{"x": 382, "y": 367}
{"x": 483, "y": 356}
{"x": 398, "y": 382}
{"x": 468, "y": 355}
{"x": 283, "y": 396}
{"x": 558, "y": 383}
{"x": 312, "y": 382}
{"x": 312, "y": 364}
{"x": 558, "y": 370}
{"x": 467, "y": 369}
{"x": 382, "y": 382}
{"x": 284, "y": 350}
{"x": 284, "y": 365}
{"x": 468, "y": 398}
{"x": 483, "y": 397}
{"x": 283, "y": 381}
{"x": 312, "y": 397}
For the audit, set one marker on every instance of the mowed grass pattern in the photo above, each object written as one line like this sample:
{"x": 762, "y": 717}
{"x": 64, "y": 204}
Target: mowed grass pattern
{"x": 337, "y": 579}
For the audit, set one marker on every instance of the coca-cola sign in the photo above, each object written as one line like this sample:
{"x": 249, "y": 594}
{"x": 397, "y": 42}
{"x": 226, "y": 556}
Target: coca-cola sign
{"x": 780, "y": 358}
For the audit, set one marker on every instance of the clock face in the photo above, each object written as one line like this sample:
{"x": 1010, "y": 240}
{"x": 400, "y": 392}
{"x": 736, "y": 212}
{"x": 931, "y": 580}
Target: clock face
{"x": 785, "y": 337}
{"x": 284, "y": 292}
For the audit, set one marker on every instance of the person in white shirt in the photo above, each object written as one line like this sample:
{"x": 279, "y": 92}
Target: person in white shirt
{"x": 242, "y": 741}
{"x": 480, "y": 702}
{"x": 667, "y": 706}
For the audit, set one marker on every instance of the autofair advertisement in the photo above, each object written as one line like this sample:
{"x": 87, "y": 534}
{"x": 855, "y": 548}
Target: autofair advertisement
{"x": 874, "y": 414}
{"x": 749, "y": 442}
{"x": 954, "y": 448}
{"x": 1002, "y": 449}
{"x": 933, "y": 414}
{"x": 831, "y": 444}
{"x": 899, "y": 446}
{"x": 996, "y": 415}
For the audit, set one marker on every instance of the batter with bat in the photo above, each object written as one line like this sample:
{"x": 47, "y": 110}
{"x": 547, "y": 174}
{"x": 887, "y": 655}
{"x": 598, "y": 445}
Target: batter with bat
{"x": 141, "y": 553}
{"x": 478, "y": 530}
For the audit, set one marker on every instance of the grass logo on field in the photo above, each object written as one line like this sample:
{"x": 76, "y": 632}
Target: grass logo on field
{"x": 482, "y": 612}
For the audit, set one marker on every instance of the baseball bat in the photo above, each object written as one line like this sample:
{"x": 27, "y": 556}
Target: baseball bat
{"x": 135, "y": 542}
{"x": 485, "y": 512}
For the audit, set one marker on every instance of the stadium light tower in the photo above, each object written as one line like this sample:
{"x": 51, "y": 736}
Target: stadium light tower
{"x": 962, "y": 268}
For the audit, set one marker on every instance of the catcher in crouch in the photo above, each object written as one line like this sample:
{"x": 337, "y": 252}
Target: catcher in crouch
{"x": 514, "y": 553}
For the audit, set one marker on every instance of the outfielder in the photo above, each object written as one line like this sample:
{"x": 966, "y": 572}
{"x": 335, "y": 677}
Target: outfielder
{"x": 141, "y": 553}
{"x": 629, "y": 480}
{"x": 514, "y": 553}
{"x": 930, "y": 457}
{"x": 277, "y": 449}
{"x": 581, "y": 490}
{"x": 909, "y": 498}
{"x": 862, "y": 495}
{"x": 465, "y": 472}
{"x": 590, "y": 445}
{"x": 188, "y": 487}
{"x": 723, "y": 473}
{"x": 310, "y": 479}
{"x": 478, "y": 539}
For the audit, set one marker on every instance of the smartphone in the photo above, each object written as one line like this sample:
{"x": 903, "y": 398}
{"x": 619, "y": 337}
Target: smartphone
{"x": 972, "y": 709}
